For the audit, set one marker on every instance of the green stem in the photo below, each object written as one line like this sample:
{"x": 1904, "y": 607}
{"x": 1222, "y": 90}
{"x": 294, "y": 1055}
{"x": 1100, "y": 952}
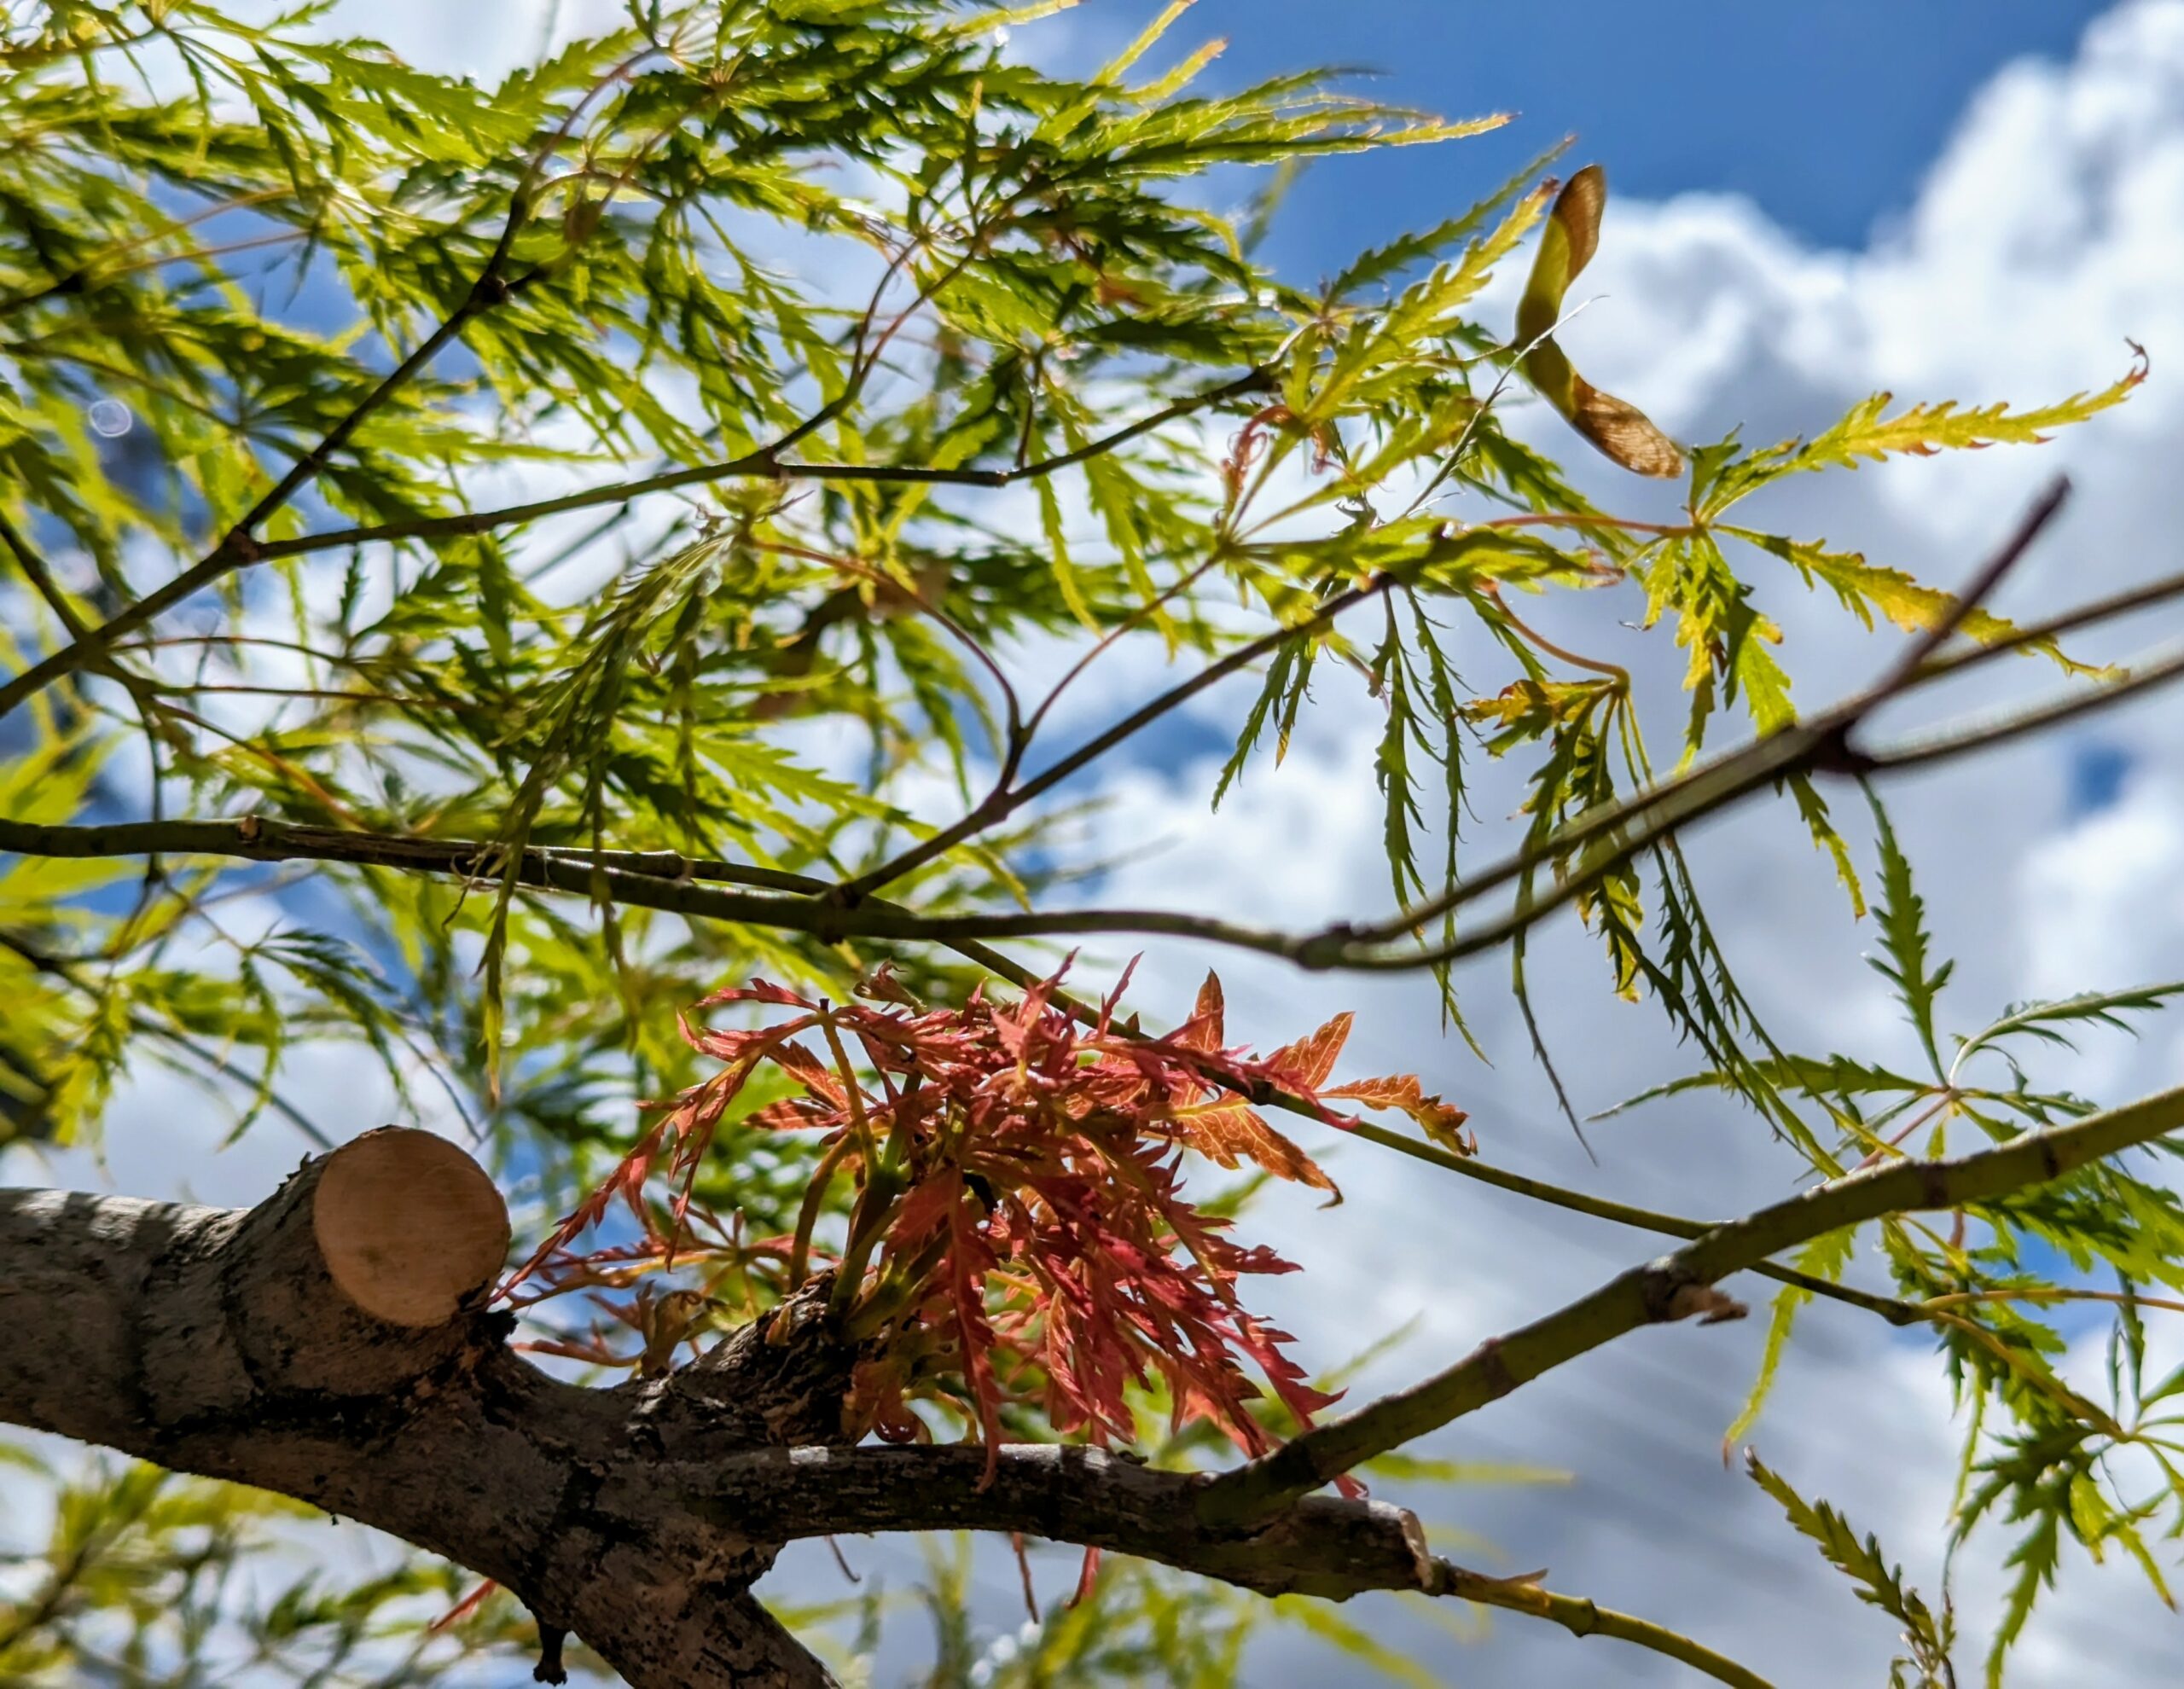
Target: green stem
{"x": 1896, "y": 1312}
{"x": 1583, "y": 1617}
{"x": 1671, "y": 1288}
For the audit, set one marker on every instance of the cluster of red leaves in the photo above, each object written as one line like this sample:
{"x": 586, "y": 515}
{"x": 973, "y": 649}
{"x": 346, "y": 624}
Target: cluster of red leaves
{"x": 1018, "y": 1226}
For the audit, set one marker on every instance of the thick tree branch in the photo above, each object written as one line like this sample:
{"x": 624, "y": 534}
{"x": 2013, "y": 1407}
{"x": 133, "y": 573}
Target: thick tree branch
{"x": 239, "y": 1345}
{"x": 1323, "y": 1547}
{"x": 1674, "y": 1287}
{"x": 334, "y": 1344}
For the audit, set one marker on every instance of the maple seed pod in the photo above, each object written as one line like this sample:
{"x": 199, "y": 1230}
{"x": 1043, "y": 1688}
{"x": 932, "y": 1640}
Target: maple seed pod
{"x": 409, "y": 1227}
{"x": 1617, "y": 427}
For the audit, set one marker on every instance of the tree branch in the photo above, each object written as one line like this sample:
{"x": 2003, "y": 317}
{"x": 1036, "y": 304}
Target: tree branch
{"x": 664, "y": 880}
{"x": 1005, "y": 801}
{"x": 1323, "y": 1547}
{"x": 766, "y": 464}
{"x": 333, "y": 1344}
{"x": 254, "y": 839}
{"x": 1674, "y": 1287}
{"x": 1982, "y": 585}
{"x": 239, "y": 550}
{"x": 1820, "y": 741}
{"x": 239, "y": 547}
{"x": 1818, "y": 744}
{"x": 1893, "y": 1309}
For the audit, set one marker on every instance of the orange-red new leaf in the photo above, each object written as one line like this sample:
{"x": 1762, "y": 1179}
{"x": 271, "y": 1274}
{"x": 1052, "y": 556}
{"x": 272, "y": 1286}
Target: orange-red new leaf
{"x": 1305, "y": 1065}
{"x": 1203, "y": 1029}
{"x": 1228, "y": 1132}
{"x": 1442, "y": 1122}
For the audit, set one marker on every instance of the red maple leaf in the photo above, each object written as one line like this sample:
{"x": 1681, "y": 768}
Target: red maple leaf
{"x": 1017, "y": 1232}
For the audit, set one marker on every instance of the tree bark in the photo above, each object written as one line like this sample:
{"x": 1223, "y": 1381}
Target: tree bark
{"x": 222, "y": 1344}
{"x": 336, "y": 1345}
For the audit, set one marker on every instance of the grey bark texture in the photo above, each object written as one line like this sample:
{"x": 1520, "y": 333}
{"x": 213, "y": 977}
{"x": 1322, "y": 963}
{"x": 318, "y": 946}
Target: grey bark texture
{"x": 220, "y": 1342}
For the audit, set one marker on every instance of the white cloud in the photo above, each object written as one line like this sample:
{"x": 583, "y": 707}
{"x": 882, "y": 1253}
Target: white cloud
{"x": 2099, "y": 895}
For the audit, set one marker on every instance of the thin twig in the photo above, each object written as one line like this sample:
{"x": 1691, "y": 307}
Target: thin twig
{"x": 64, "y": 969}
{"x": 1998, "y": 729}
{"x": 1982, "y": 584}
{"x": 239, "y": 547}
{"x": 1581, "y": 1617}
{"x": 765, "y": 464}
{"x": 41, "y": 578}
{"x": 2110, "y": 608}
{"x": 1818, "y": 744}
{"x": 80, "y": 279}
{"x": 1003, "y": 801}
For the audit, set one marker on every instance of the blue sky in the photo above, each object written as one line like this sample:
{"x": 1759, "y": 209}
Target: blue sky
{"x": 1826, "y": 115}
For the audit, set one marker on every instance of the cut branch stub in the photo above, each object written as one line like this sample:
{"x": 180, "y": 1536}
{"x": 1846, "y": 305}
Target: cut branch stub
{"x": 409, "y": 1226}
